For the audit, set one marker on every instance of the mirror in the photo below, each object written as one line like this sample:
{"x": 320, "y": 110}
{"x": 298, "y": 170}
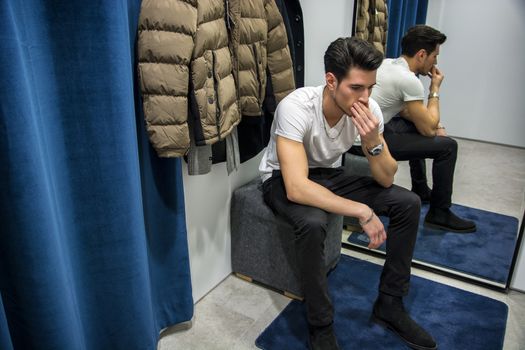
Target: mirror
{"x": 489, "y": 177}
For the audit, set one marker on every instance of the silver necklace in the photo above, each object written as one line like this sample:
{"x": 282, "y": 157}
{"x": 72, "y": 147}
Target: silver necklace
{"x": 338, "y": 134}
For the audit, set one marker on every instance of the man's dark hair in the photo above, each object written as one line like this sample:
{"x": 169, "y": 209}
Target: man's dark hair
{"x": 421, "y": 37}
{"x": 346, "y": 53}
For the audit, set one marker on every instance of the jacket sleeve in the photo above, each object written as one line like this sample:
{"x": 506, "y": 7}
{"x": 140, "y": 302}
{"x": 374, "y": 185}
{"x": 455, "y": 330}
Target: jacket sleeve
{"x": 278, "y": 52}
{"x": 165, "y": 44}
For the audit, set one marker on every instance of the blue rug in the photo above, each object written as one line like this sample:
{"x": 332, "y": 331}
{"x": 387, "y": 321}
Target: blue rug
{"x": 486, "y": 253}
{"x": 457, "y": 319}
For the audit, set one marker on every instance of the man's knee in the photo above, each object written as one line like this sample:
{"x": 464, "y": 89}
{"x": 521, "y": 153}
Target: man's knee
{"x": 408, "y": 202}
{"x": 448, "y": 144}
{"x": 413, "y": 201}
{"x": 313, "y": 225}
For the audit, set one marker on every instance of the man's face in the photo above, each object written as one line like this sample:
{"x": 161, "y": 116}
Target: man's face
{"x": 355, "y": 86}
{"x": 429, "y": 61}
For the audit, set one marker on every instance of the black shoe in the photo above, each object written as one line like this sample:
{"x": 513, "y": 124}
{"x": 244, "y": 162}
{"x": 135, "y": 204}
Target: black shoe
{"x": 445, "y": 219}
{"x": 390, "y": 313}
{"x": 322, "y": 338}
{"x": 423, "y": 193}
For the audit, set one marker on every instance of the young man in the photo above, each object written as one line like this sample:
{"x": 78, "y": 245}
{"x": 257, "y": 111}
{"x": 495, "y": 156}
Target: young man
{"x": 417, "y": 132}
{"x": 312, "y": 128}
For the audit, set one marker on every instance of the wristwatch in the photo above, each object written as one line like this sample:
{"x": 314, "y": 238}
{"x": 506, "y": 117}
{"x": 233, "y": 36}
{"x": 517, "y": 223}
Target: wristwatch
{"x": 376, "y": 150}
{"x": 433, "y": 94}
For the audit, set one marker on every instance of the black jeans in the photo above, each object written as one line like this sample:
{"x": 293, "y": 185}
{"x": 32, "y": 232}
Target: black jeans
{"x": 406, "y": 143}
{"x": 310, "y": 224}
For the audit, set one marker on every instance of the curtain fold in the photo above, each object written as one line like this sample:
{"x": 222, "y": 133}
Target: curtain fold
{"x": 403, "y": 14}
{"x": 93, "y": 249}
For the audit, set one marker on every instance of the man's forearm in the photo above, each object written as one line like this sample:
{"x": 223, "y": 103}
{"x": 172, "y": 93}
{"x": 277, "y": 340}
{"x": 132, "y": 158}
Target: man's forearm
{"x": 433, "y": 106}
{"x": 427, "y": 122}
{"x": 308, "y": 192}
{"x": 383, "y": 167}
{"x": 426, "y": 118}
{"x": 433, "y": 110}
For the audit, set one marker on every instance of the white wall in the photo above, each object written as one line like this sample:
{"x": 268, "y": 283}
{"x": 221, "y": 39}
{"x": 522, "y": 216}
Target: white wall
{"x": 483, "y": 59}
{"x": 324, "y": 21}
{"x": 207, "y": 204}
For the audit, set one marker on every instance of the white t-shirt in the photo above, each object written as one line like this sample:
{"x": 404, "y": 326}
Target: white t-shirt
{"x": 395, "y": 85}
{"x": 299, "y": 117}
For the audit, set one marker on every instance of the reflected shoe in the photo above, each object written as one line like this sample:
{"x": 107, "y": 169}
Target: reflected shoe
{"x": 390, "y": 313}
{"x": 322, "y": 338}
{"x": 423, "y": 193}
{"x": 445, "y": 219}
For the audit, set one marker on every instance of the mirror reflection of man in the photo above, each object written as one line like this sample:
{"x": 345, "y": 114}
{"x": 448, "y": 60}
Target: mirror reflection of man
{"x": 413, "y": 129}
{"x": 312, "y": 128}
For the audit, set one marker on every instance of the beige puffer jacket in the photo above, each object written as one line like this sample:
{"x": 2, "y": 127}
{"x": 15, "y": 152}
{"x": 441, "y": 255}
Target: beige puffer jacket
{"x": 259, "y": 42}
{"x": 184, "y": 59}
{"x": 372, "y": 22}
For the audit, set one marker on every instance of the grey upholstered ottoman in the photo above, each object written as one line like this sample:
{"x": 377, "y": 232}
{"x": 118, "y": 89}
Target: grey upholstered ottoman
{"x": 263, "y": 244}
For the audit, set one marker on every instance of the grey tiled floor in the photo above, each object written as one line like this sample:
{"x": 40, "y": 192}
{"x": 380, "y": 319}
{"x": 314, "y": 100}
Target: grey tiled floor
{"x": 232, "y": 315}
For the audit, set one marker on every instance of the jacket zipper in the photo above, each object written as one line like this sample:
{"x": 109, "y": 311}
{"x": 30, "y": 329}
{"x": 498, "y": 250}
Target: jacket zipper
{"x": 229, "y": 18}
{"x": 217, "y": 101}
{"x": 229, "y": 24}
{"x": 258, "y": 73}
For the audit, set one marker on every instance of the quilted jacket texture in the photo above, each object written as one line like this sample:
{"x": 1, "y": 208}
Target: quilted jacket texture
{"x": 372, "y": 22}
{"x": 202, "y": 64}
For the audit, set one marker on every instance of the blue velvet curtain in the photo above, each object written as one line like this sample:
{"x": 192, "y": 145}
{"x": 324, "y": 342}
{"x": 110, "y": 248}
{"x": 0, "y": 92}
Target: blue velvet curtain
{"x": 93, "y": 248}
{"x": 403, "y": 14}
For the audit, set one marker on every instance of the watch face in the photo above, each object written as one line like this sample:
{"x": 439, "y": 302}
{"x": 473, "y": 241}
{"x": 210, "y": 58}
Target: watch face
{"x": 376, "y": 150}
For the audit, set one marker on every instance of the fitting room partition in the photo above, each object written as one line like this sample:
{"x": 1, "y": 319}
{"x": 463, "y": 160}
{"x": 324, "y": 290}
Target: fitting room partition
{"x": 93, "y": 248}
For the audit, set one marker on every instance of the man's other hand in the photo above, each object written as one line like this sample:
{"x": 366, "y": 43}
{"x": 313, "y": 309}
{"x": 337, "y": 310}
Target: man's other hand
{"x": 441, "y": 132}
{"x": 436, "y": 78}
{"x": 366, "y": 123}
{"x": 375, "y": 232}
